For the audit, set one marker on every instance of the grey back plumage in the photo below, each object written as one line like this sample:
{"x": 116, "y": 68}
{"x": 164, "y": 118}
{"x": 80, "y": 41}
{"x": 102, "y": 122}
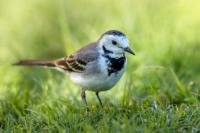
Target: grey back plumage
{"x": 87, "y": 53}
{"x": 90, "y": 55}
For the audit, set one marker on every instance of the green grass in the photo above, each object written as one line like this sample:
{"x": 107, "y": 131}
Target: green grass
{"x": 159, "y": 92}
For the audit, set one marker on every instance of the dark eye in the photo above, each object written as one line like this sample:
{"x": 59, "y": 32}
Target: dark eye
{"x": 114, "y": 42}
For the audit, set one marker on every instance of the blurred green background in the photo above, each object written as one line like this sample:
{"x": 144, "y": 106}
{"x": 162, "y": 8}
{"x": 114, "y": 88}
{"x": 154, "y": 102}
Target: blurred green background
{"x": 164, "y": 34}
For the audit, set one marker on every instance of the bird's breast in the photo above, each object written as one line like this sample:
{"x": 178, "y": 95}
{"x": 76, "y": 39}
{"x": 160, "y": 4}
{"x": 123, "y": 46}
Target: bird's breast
{"x": 114, "y": 65}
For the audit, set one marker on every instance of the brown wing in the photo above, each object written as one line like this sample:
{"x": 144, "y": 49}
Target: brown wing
{"x": 71, "y": 64}
{"x": 78, "y": 61}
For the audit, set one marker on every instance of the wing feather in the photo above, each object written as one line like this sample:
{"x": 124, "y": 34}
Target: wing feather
{"x": 78, "y": 61}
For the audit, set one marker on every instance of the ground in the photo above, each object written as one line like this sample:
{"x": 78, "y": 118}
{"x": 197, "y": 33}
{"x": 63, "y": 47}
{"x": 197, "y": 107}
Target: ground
{"x": 159, "y": 91}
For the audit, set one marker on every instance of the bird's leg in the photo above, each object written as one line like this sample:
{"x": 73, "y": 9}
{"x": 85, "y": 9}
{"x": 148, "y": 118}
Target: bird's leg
{"x": 83, "y": 96}
{"x": 97, "y": 94}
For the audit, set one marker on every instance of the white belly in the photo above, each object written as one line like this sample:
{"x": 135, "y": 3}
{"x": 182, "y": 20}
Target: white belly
{"x": 97, "y": 81}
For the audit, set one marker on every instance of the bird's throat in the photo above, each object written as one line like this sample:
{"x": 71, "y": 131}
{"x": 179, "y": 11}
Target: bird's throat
{"x": 114, "y": 65}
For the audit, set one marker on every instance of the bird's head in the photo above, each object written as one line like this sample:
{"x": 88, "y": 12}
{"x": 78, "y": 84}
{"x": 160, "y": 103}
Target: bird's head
{"x": 115, "y": 42}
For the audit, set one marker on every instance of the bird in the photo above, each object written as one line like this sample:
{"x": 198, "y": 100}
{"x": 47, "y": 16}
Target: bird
{"x": 95, "y": 67}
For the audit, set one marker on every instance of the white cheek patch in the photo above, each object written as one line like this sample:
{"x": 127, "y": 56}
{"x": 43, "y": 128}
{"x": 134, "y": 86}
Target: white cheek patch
{"x": 124, "y": 42}
{"x": 116, "y": 55}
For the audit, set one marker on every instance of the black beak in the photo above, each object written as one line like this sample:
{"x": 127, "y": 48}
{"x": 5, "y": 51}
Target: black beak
{"x": 129, "y": 50}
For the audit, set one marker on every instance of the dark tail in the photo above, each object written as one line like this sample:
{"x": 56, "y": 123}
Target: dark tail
{"x": 36, "y": 63}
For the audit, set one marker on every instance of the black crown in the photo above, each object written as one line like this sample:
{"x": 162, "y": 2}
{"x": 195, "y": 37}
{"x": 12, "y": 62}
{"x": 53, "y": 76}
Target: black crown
{"x": 114, "y": 32}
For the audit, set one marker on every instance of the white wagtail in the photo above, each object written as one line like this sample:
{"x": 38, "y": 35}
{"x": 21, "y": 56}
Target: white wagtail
{"x": 95, "y": 67}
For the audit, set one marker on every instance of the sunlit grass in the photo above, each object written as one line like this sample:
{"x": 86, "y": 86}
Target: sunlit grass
{"x": 158, "y": 92}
